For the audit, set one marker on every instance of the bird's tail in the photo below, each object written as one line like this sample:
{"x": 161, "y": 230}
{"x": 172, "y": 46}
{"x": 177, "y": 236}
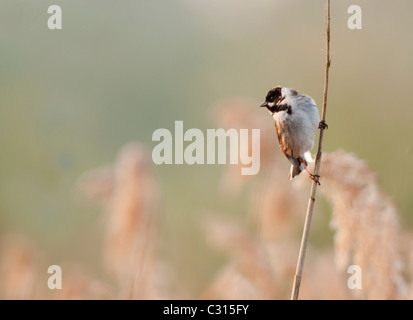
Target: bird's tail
{"x": 299, "y": 164}
{"x": 295, "y": 171}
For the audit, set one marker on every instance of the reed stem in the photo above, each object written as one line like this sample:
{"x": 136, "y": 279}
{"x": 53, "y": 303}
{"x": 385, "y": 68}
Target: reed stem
{"x": 311, "y": 200}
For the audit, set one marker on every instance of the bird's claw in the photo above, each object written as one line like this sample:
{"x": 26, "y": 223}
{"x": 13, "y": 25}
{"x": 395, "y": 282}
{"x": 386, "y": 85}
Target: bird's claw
{"x": 315, "y": 178}
{"x": 323, "y": 125}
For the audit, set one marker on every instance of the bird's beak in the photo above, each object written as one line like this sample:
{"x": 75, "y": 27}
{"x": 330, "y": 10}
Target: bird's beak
{"x": 264, "y": 104}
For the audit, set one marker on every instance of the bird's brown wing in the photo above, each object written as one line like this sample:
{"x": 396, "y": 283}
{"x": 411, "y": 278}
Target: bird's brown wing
{"x": 282, "y": 139}
{"x": 286, "y": 147}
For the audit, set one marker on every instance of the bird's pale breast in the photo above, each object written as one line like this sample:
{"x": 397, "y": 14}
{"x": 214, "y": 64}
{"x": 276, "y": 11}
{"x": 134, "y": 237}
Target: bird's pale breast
{"x": 296, "y": 131}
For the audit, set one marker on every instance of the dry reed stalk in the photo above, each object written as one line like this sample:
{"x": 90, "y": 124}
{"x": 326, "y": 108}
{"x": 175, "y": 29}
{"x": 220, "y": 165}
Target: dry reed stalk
{"x": 131, "y": 229}
{"x": 311, "y": 201}
{"x": 129, "y": 193}
{"x": 366, "y": 224}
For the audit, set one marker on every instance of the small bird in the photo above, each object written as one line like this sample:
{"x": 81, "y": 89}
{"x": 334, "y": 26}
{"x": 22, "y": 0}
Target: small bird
{"x": 296, "y": 121}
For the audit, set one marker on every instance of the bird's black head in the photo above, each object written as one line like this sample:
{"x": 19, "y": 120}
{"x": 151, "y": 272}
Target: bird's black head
{"x": 273, "y": 97}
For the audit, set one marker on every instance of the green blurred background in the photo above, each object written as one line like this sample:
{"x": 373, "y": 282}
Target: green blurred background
{"x": 70, "y": 99}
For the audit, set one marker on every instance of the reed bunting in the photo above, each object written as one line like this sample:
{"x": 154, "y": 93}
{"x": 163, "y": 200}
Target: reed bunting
{"x": 296, "y": 121}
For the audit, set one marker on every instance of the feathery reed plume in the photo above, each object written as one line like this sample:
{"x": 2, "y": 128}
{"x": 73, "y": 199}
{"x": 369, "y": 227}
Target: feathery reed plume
{"x": 258, "y": 269}
{"x": 275, "y": 204}
{"x": 231, "y": 284}
{"x": 19, "y": 269}
{"x": 246, "y": 251}
{"x": 131, "y": 228}
{"x": 366, "y": 224}
{"x": 311, "y": 201}
{"x": 130, "y": 194}
{"x": 331, "y": 283}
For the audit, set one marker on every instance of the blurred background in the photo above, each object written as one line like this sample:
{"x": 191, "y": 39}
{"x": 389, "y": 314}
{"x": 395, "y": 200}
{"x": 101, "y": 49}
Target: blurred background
{"x": 71, "y": 99}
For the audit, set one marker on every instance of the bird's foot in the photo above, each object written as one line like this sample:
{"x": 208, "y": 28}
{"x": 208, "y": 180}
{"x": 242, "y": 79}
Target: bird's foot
{"x": 323, "y": 125}
{"x": 315, "y": 178}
